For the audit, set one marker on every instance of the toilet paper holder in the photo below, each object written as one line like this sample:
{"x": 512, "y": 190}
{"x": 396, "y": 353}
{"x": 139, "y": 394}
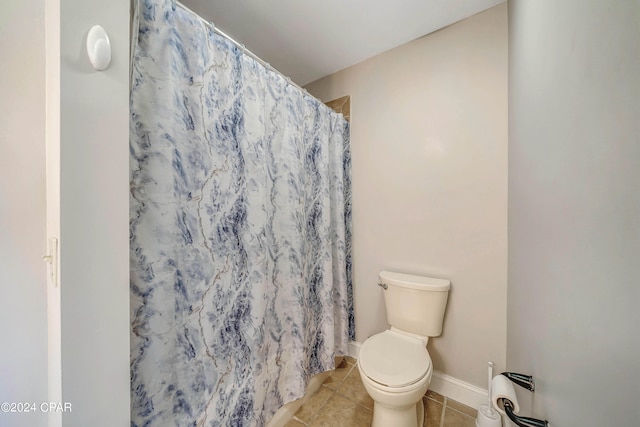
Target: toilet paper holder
{"x": 522, "y": 421}
{"x": 524, "y": 381}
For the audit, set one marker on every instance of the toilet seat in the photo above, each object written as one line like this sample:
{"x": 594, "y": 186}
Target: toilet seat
{"x": 394, "y": 360}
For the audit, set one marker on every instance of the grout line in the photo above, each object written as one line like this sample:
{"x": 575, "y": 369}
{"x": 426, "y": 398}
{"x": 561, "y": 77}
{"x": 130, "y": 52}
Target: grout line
{"x": 300, "y": 421}
{"x": 444, "y": 406}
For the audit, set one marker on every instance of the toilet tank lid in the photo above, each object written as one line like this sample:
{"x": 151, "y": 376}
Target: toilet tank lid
{"x": 414, "y": 282}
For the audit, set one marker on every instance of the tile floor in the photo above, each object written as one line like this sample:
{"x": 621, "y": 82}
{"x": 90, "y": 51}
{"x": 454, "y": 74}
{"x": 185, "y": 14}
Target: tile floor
{"x": 342, "y": 401}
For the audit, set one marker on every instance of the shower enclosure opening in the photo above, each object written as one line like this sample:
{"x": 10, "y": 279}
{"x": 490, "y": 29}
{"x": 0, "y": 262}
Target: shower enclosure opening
{"x": 240, "y": 229}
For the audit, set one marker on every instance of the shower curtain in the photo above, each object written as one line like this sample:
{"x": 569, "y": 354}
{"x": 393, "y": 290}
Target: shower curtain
{"x": 240, "y": 229}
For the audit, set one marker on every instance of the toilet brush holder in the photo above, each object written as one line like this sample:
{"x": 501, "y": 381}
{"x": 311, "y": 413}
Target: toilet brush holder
{"x": 488, "y": 417}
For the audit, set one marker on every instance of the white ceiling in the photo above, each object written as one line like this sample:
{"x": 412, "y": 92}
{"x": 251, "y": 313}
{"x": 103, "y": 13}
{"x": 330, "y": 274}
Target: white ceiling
{"x": 310, "y": 39}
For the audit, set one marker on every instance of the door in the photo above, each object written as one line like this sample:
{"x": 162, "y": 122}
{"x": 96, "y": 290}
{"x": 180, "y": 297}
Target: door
{"x": 574, "y": 209}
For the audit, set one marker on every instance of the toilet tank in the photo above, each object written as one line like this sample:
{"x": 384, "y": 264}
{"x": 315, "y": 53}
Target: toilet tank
{"x": 415, "y": 304}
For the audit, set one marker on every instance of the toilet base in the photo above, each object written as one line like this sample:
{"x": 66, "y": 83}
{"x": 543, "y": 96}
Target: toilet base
{"x": 398, "y": 416}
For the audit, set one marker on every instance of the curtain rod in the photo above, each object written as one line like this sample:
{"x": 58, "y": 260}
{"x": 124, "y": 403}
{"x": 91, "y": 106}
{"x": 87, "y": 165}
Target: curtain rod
{"x": 242, "y": 47}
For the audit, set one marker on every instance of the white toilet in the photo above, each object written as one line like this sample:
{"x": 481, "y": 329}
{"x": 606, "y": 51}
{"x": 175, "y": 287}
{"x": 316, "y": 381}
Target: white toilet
{"x": 394, "y": 365}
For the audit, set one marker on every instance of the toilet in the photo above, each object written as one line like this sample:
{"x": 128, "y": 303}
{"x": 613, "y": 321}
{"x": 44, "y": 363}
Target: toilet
{"x": 394, "y": 365}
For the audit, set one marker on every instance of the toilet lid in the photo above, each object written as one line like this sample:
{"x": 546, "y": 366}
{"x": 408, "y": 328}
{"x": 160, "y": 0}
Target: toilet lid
{"x": 393, "y": 359}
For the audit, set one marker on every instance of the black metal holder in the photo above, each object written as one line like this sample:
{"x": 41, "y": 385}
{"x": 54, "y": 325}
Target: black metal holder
{"x": 522, "y": 421}
{"x": 524, "y": 381}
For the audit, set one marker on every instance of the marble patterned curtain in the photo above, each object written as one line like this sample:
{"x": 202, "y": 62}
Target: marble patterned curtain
{"x": 240, "y": 230}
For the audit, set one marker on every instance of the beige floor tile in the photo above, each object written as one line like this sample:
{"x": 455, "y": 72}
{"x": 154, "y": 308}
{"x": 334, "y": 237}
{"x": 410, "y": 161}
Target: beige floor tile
{"x": 350, "y": 405}
{"x": 316, "y": 401}
{"x": 350, "y": 360}
{"x": 343, "y": 413}
{"x": 352, "y": 388}
{"x": 435, "y": 396}
{"x": 453, "y": 418}
{"x": 462, "y": 408}
{"x": 338, "y": 375}
{"x": 433, "y": 412}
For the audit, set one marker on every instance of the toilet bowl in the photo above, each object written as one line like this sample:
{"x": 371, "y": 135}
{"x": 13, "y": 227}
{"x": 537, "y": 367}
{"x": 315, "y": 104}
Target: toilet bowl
{"x": 396, "y": 371}
{"x": 394, "y": 365}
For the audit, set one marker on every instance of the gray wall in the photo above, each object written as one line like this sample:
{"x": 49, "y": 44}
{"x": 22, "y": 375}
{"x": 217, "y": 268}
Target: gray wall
{"x": 94, "y": 217}
{"x": 23, "y": 328}
{"x": 574, "y": 209}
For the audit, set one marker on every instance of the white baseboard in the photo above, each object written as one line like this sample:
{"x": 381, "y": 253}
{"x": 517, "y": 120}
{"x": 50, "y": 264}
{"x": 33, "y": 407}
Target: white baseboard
{"x": 354, "y": 349}
{"x": 445, "y": 385}
{"x": 458, "y": 390}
